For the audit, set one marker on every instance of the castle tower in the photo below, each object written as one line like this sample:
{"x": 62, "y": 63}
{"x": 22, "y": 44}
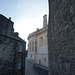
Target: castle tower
{"x": 12, "y": 49}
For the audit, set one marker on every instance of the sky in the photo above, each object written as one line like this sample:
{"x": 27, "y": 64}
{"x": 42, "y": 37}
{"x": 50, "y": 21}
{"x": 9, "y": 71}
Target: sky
{"x": 27, "y": 15}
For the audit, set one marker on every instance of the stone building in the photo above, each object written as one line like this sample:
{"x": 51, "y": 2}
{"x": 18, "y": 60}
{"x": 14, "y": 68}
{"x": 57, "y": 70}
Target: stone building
{"x": 38, "y": 47}
{"x": 61, "y": 37}
{"x": 12, "y": 49}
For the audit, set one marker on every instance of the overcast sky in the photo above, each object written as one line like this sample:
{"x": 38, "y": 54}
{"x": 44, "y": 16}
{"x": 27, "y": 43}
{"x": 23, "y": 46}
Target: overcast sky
{"x": 27, "y": 15}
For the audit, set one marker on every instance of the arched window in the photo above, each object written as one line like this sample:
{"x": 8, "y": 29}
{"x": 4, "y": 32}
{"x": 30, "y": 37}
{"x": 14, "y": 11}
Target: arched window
{"x": 41, "y": 41}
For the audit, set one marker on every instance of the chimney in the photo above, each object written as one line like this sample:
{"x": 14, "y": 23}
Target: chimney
{"x": 16, "y": 34}
{"x": 9, "y": 18}
{"x": 45, "y": 20}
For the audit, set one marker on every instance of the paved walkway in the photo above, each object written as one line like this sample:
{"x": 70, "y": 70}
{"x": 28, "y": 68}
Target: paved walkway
{"x": 29, "y": 68}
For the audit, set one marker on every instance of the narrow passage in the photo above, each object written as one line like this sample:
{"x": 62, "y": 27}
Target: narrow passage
{"x": 29, "y": 68}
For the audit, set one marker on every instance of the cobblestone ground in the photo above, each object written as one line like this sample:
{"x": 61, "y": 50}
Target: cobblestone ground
{"x": 29, "y": 68}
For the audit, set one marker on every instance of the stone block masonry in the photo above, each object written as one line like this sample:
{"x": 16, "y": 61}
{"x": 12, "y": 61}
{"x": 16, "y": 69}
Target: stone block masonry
{"x": 61, "y": 37}
{"x": 12, "y": 49}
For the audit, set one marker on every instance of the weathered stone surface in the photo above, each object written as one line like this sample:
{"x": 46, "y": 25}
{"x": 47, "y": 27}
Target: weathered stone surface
{"x": 61, "y": 37}
{"x": 12, "y": 49}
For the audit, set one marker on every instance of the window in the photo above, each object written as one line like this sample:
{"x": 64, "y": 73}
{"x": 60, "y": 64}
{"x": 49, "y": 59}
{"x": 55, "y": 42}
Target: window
{"x": 41, "y": 41}
{"x": 39, "y": 61}
{"x": 35, "y": 46}
{"x": 45, "y": 59}
{"x": 31, "y": 56}
{"x": 46, "y": 39}
{"x": 32, "y": 46}
{"x": 19, "y": 66}
{"x": 20, "y": 49}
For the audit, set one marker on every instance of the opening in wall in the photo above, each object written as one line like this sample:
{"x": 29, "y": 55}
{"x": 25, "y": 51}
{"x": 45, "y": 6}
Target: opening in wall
{"x": 41, "y": 41}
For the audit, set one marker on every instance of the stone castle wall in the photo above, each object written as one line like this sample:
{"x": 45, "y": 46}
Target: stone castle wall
{"x": 61, "y": 37}
{"x": 12, "y": 49}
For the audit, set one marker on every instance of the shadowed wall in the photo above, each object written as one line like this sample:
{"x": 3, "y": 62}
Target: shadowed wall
{"x": 61, "y": 37}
